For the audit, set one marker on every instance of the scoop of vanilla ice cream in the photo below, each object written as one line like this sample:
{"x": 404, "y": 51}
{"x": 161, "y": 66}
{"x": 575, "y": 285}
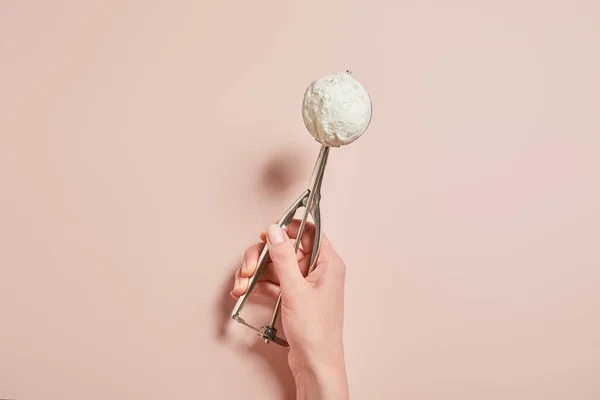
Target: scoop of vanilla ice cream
{"x": 336, "y": 109}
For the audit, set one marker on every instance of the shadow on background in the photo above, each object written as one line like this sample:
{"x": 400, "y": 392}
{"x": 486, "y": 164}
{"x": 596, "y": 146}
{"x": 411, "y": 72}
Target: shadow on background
{"x": 282, "y": 171}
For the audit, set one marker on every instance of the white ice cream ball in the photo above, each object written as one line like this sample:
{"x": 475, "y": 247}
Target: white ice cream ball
{"x": 336, "y": 109}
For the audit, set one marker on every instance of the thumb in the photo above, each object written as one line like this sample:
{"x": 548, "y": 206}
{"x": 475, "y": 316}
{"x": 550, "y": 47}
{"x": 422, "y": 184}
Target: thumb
{"x": 283, "y": 255}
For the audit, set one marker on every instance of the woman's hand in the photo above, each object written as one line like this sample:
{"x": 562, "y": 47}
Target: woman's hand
{"x": 312, "y": 308}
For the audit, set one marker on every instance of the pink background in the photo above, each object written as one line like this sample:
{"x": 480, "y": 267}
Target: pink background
{"x": 144, "y": 145}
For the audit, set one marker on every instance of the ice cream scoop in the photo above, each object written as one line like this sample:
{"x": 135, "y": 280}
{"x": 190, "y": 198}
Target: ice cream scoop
{"x": 336, "y": 109}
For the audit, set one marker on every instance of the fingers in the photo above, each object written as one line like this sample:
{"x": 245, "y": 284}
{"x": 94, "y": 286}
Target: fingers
{"x": 251, "y": 259}
{"x": 329, "y": 263}
{"x": 266, "y": 289}
{"x": 310, "y": 229}
{"x": 243, "y": 274}
{"x": 240, "y": 284}
{"x": 294, "y": 225}
{"x": 308, "y": 236}
{"x": 285, "y": 269}
{"x": 248, "y": 268}
{"x": 285, "y": 265}
{"x": 269, "y": 274}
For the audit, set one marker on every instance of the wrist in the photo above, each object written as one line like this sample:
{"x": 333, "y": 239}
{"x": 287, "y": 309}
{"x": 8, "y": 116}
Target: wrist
{"x": 322, "y": 382}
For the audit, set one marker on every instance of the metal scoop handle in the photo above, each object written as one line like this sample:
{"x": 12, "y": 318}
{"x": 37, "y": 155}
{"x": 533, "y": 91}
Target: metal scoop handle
{"x": 310, "y": 201}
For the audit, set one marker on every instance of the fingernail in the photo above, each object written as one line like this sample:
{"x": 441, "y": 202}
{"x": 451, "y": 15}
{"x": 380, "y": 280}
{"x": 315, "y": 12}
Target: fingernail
{"x": 275, "y": 235}
{"x": 232, "y": 294}
{"x": 236, "y": 283}
{"x": 244, "y": 267}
